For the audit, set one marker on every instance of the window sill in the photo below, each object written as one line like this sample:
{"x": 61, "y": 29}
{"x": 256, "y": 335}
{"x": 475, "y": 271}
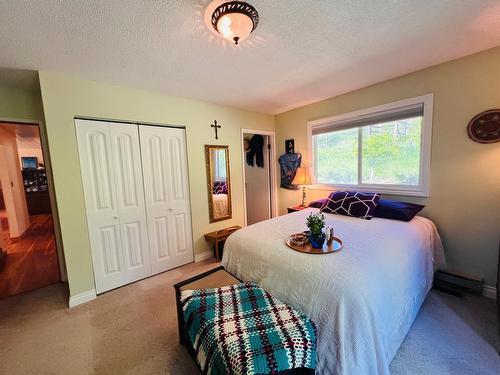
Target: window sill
{"x": 392, "y": 190}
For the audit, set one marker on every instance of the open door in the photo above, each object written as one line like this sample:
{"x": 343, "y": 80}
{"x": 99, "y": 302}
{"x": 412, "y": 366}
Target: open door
{"x": 29, "y": 258}
{"x": 259, "y": 175}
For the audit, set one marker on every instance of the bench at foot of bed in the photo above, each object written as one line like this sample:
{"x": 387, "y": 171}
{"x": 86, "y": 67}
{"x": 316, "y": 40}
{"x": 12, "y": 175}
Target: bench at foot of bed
{"x": 230, "y": 327}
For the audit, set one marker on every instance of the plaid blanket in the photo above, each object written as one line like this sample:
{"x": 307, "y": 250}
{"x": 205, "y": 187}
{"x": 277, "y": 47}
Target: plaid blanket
{"x": 242, "y": 329}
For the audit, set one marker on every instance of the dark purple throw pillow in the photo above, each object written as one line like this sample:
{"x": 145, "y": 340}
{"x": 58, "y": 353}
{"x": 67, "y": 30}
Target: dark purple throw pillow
{"x": 220, "y": 187}
{"x": 352, "y": 203}
{"x": 397, "y": 210}
{"x": 318, "y": 203}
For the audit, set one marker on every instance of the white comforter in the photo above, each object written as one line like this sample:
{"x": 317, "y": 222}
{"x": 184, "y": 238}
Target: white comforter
{"x": 220, "y": 205}
{"x": 363, "y": 298}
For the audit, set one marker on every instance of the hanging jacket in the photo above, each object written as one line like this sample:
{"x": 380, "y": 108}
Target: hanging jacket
{"x": 256, "y": 150}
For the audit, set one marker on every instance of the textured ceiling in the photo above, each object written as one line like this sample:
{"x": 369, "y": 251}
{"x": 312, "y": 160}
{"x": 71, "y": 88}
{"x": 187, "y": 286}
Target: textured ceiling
{"x": 302, "y": 51}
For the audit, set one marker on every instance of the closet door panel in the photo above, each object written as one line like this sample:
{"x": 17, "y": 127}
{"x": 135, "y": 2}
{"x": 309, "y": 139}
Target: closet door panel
{"x": 130, "y": 200}
{"x": 181, "y": 240}
{"x": 161, "y": 236}
{"x": 163, "y": 153}
{"x": 100, "y": 200}
{"x": 110, "y": 251}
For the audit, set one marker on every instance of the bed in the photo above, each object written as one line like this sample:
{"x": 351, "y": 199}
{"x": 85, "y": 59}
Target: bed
{"x": 220, "y": 205}
{"x": 363, "y": 298}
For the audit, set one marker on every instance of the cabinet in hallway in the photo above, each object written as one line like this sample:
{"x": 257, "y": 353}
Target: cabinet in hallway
{"x": 136, "y": 198}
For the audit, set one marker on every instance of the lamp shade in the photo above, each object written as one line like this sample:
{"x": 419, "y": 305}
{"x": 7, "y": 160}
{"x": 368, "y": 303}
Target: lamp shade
{"x": 302, "y": 176}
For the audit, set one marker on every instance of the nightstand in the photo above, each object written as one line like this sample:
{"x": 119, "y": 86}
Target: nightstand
{"x": 295, "y": 208}
{"x": 219, "y": 237}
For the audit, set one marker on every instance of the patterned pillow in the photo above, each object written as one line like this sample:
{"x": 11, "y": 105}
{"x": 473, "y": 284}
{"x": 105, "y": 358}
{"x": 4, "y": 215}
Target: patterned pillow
{"x": 352, "y": 203}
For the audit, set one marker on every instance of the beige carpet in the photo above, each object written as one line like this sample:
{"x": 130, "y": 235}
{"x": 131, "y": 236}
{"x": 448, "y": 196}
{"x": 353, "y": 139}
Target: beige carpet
{"x": 133, "y": 330}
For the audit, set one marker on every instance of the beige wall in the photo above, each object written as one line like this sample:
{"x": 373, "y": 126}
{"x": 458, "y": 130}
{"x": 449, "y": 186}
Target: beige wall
{"x": 65, "y": 97}
{"x": 12, "y": 182}
{"x": 464, "y": 197}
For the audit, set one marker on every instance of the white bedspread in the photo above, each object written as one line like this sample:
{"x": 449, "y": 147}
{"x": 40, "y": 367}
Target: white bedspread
{"x": 363, "y": 298}
{"x": 220, "y": 205}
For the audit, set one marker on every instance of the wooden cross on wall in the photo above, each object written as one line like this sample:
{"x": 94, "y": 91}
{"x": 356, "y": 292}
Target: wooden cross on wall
{"x": 215, "y": 126}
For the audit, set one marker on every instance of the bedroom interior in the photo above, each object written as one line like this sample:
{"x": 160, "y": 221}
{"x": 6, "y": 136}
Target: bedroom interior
{"x": 232, "y": 193}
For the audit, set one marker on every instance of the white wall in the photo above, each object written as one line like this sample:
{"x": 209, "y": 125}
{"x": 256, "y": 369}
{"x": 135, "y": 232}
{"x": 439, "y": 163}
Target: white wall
{"x": 12, "y": 184}
{"x": 258, "y": 188}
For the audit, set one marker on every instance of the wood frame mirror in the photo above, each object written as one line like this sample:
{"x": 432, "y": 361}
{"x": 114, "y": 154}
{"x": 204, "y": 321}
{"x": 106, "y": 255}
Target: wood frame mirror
{"x": 218, "y": 182}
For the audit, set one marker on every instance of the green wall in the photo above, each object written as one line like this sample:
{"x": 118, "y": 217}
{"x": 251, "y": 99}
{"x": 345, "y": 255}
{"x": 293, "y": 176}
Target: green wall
{"x": 464, "y": 199}
{"x": 65, "y": 97}
{"x": 20, "y": 104}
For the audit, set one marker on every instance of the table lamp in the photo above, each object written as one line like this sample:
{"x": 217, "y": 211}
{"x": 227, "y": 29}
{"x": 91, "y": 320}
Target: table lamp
{"x": 302, "y": 178}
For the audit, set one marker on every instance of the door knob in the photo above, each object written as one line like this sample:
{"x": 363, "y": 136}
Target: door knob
{"x": 115, "y": 217}
{"x": 170, "y": 209}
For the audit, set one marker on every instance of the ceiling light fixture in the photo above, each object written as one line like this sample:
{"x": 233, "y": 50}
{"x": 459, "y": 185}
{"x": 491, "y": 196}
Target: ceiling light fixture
{"x": 235, "y": 20}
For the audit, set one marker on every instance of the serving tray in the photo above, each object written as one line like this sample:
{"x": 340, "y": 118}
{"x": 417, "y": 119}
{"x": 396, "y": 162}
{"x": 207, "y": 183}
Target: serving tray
{"x": 308, "y": 249}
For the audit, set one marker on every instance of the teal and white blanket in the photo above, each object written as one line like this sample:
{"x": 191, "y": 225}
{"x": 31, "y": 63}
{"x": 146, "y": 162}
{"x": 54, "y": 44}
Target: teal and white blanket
{"x": 242, "y": 329}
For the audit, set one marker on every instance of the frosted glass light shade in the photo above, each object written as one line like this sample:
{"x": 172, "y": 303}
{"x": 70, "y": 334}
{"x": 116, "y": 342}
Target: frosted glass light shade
{"x": 235, "y": 20}
{"x": 235, "y": 27}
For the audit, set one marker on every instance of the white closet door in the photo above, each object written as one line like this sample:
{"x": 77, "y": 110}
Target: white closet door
{"x": 130, "y": 200}
{"x": 167, "y": 196}
{"x": 111, "y": 173}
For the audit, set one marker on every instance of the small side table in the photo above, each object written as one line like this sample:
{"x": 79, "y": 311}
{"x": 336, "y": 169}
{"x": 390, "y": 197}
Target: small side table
{"x": 219, "y": 236}
{"x": 295, "y": 208}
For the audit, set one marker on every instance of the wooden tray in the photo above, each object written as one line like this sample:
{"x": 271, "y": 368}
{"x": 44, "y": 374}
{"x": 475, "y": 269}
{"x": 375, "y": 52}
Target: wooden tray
{"x": 308, "y": 249}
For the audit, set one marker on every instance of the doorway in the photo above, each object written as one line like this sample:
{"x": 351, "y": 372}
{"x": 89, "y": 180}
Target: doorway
{"x": 28, "y": 251}
{"x": 259, "y": 171}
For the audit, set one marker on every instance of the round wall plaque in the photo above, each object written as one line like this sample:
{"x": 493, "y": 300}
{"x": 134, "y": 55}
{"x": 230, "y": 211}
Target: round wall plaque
{"x": 485, "y": 127}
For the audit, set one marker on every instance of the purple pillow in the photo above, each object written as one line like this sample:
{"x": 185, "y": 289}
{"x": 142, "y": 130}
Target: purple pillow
{"x": 352, "y": 203}
{"x": 397, "y": 210}
{"x": 220, "y": 187}
{"x": 318, "y": 203}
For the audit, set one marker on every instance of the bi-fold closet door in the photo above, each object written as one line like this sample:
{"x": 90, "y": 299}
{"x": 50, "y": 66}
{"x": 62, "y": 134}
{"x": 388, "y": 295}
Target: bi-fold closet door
{"x": 164, "y": 166}
{"x": 131, "y": 238}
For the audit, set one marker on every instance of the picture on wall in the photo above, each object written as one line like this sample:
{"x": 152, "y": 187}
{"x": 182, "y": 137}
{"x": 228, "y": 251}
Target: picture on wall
{"x": 290, "y": 146}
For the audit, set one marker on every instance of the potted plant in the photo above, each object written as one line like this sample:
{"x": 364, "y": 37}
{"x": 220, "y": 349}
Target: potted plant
{"x": 316, "y": 222}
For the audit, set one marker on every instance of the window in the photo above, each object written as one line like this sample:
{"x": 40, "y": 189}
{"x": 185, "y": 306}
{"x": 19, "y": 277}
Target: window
{"x": 385, "y": 149}
{"x": 220, "y": 165}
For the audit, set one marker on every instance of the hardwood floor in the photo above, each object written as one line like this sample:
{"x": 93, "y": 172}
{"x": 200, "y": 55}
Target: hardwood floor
{"x": 31, "y": 260}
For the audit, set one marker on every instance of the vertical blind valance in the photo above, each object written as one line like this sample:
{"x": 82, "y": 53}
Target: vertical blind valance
{"x": 396, "y": 114}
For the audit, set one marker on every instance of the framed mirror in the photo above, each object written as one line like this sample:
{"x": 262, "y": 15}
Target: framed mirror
{"x": 218, "y": 182}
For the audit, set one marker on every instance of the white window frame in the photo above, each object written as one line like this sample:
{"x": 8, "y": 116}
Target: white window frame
{"x": 423, "y": 189}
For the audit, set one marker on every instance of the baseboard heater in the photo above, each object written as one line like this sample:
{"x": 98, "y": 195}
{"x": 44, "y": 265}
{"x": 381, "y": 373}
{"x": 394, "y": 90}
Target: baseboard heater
{"x": 457, "y": 283}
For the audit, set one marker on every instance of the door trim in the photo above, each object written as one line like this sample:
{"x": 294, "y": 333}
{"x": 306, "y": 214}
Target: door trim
{"x": 50, "y": 183}
{"x": 129, "y": 122}
{"x": 273, "y": 168}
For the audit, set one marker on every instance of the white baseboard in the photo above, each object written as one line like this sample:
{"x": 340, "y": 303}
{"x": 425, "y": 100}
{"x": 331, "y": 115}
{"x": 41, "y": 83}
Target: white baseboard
{"x": 204, "y": 255}
{"x": 489, "y": 291}
{"x": 87, "y": 296}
